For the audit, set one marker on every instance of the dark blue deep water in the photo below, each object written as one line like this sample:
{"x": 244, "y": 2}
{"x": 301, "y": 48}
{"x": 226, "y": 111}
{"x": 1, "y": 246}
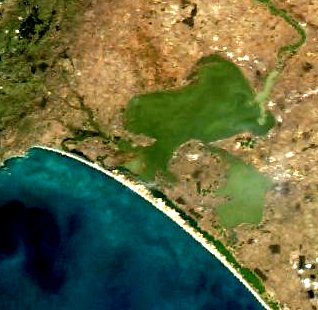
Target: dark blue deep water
{"x": 73, "y": 238}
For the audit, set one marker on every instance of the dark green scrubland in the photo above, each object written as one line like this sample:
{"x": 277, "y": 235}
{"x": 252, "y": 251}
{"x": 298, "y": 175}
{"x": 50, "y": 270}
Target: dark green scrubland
{"x": 251, "y": 277}
{"x": 31, "y": 41}
{"x": 289, "y": 49}
{"x": 217, "y": 103}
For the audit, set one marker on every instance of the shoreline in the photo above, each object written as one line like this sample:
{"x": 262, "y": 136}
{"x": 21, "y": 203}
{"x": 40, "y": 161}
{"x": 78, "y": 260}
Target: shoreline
{"x": 160, "y": 205}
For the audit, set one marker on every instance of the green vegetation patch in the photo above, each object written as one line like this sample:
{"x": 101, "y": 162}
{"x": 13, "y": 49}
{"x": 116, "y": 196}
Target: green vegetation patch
{"x": 30, "y": 44}
{"x": 245, "y": 189}
{"x": 218, "y": 103}
{"x": 289, "y": 49}
{"x": 250, "y": 276}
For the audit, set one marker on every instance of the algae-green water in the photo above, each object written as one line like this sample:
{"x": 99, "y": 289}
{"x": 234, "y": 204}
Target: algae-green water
{"x": 218, "y": 103}
{"x": 73, "y": 238}
{"x": 245, "y": 190}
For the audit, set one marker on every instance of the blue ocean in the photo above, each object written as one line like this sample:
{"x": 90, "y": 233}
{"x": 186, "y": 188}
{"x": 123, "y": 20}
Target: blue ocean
{"x": 74, "y": 238}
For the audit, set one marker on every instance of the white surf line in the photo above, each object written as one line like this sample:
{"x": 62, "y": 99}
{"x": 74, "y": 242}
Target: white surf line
{"x": 159, "y": 203}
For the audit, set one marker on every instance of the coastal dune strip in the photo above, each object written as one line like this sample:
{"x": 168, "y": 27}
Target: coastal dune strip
{"x": 160, "y": 204}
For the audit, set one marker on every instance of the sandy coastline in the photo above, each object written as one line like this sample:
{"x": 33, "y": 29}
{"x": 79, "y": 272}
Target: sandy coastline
{"x": 160, "y": 204}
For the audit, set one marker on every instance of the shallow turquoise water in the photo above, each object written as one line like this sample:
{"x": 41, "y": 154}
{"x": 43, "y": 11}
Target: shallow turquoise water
{"x": 77, "y": 239}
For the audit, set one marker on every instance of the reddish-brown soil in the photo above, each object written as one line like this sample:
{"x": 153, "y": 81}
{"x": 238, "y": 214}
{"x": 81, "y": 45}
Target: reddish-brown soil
{"x": 123, "y": 48}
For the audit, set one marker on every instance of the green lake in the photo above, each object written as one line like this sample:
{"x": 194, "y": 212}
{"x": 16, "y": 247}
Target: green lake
{"x": 217, "y": 103}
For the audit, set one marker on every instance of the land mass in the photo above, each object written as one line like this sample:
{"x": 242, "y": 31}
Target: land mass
{"x": 71, "y": 72}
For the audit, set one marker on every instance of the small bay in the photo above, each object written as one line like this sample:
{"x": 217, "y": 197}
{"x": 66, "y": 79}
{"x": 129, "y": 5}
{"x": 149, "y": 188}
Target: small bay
{"x": 74, "y": 238}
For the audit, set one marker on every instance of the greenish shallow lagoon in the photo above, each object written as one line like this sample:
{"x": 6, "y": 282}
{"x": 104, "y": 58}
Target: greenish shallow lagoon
{"x": 246, "y": 189}
{"x": 217, "y": 104}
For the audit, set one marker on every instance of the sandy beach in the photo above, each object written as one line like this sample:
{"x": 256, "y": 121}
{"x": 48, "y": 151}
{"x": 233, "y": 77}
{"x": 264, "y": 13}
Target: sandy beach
{"x": 160, "y": 204}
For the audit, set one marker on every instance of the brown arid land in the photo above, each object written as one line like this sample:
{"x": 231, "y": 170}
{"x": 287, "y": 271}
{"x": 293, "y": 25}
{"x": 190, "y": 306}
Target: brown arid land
{"x": 122, "y": 48}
